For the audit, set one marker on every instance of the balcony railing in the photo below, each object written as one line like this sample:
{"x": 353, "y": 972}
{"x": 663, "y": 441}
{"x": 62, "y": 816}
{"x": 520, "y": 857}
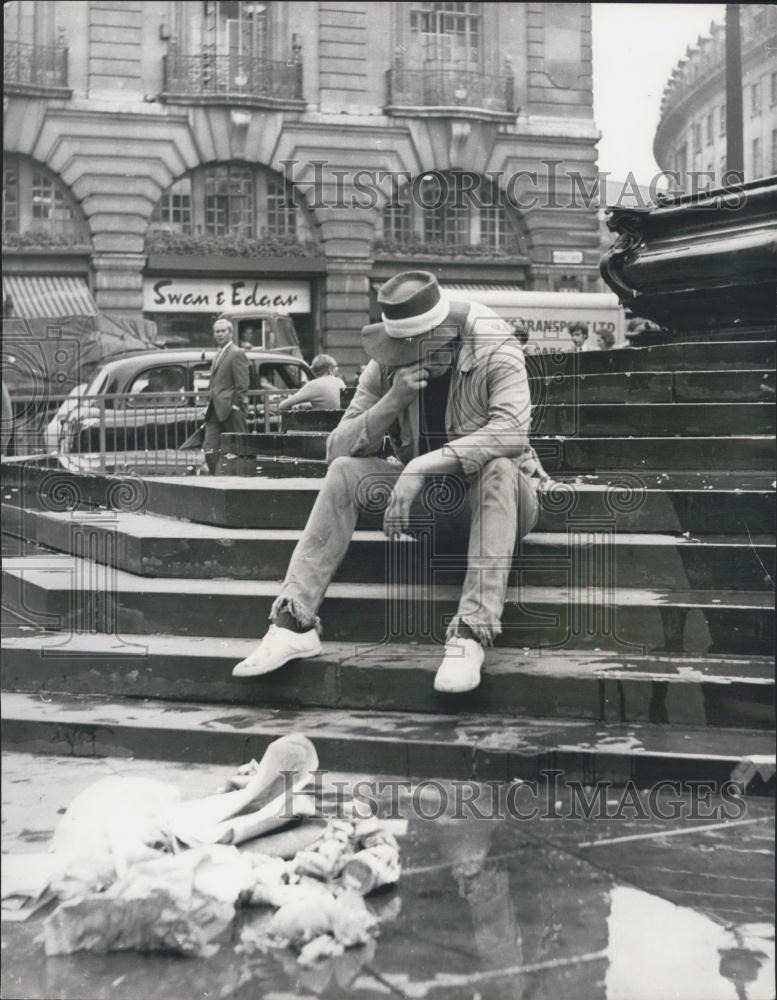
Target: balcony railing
{"x": 459, "y": 92}
{"x": 30, "y": 68}
{"x": 242, "y": 79}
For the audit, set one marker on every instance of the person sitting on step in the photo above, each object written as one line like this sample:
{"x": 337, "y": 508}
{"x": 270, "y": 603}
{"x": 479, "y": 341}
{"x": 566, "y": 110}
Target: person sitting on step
{"x": 323, "y": 392}
{"x": 447, "y": 385}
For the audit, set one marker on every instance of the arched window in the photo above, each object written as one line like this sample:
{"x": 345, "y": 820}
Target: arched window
{"x": 442, "y": 211}
{"x": 38, "y": 206}
{"x": 232, "y": 199}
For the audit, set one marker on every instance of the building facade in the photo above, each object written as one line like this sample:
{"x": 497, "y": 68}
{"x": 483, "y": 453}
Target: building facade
{"x": 176, "y": 158}
{"x": 691, "y": 134}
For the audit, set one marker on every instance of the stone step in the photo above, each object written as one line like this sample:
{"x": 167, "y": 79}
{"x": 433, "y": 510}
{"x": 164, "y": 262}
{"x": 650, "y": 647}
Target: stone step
{"x": 568, "y": 454}
{"x": 466, "y": 747}
{"x": 600, "y": 419}
{"x": 698, "y": 356}
{"x": 700, "y": 503}
{"x": 730, "y": 386}
{"x": 149, "y": 545}
{"x": 606, "y": 686}
{"x": 67, "y": 593}
{"x": 656, "y": 387}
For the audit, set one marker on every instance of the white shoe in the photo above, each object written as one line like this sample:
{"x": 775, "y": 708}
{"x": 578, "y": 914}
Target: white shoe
{"x": 278, "y": 647}
{"x": 460, "y": 668}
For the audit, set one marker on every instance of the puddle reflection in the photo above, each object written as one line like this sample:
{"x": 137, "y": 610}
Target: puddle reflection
{"x": 657, "y": 950}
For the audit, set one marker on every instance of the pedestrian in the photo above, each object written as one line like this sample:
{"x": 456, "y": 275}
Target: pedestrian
{"x": 323, "y": 391}
{"x": 447, "y": 385}
{"x": 605, "y": 340}
{"x": 227, "y": 393}
{"x": 579, "y": 333}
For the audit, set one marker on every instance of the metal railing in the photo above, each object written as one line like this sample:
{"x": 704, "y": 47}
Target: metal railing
{"x": 143, "y": 431}
{"x": 28, "y": 65}
{"x": 231, "y": 75}
{"x": 450, "y": 88}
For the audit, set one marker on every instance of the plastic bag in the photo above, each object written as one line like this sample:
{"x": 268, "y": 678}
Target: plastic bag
{"x": 175, "y": 903}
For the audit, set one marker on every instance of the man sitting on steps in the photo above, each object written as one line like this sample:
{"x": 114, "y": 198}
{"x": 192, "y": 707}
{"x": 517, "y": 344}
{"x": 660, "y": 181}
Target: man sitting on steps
{"x": 447, "y": 385}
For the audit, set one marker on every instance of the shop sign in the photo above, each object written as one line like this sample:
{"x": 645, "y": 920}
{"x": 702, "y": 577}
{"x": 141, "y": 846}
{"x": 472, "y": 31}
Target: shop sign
{"x": 211, "y": 295}
{"x": 567, "y": 256}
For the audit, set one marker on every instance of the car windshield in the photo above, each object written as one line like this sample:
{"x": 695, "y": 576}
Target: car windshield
{"x": 280, "y": 376}
{"x": 160, "y": 385}
{"x": 287, "y": 335}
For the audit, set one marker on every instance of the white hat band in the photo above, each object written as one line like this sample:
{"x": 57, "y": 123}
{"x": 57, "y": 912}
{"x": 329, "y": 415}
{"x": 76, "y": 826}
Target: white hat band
{"x": 415, "y": 326}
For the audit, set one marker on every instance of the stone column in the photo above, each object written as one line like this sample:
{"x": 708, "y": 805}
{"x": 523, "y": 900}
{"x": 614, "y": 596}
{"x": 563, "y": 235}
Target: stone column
{"x": 346, "y": 310}
{"x": 118, "y": 283}
{"x": 347, "y": 234}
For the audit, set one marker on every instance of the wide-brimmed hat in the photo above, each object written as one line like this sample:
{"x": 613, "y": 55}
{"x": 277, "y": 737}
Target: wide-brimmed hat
{"x": 415, "y": 316}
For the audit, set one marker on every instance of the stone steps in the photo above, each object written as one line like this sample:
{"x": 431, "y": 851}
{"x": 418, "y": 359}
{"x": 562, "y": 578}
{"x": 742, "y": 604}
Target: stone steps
{"x": 656, "y": 387}
{"x": 150, "y": 545}
{"x": 64, "y": 592}
{"x": 699, "y": 503}
{"x": 603, "y": 419}
{"x": 693, "y": 356}
{"x": 570, "y": 455}
{"x": 476, "y": 747}
{"x": 156, "y": 587}
{"x": 605, "y": 686}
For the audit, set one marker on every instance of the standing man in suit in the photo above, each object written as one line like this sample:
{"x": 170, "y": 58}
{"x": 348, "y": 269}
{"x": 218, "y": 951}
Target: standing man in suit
{"x": 228, "y": 393}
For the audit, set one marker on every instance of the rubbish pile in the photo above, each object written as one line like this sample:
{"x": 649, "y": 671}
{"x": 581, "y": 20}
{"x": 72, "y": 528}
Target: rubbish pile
{"x": 133, "y": 867}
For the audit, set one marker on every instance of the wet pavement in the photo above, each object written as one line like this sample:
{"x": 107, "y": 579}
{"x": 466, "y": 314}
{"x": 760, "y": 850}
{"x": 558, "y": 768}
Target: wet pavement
{"x": 489, "y": 906}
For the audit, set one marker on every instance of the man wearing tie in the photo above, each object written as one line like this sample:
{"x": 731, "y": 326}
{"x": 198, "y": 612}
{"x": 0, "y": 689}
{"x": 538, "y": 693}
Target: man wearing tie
{"x": 227, "y": 391}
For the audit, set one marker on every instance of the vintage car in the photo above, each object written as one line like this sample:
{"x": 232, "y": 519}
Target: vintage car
{"x": 156, "y": 399}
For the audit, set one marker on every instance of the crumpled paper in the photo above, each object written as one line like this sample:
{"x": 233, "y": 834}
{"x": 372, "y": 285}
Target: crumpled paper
{"x": 175, "y": 903}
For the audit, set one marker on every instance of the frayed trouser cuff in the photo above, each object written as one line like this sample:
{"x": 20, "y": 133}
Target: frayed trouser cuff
{"x": 304, "y": 617}
{"x": 484, "y": 633}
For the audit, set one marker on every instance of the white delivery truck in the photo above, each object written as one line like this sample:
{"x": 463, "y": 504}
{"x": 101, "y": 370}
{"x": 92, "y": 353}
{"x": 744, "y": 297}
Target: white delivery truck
{"x": 547, "y": 315}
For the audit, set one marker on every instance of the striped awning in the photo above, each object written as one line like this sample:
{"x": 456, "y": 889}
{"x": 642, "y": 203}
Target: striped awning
{"x": 48, "y": 297}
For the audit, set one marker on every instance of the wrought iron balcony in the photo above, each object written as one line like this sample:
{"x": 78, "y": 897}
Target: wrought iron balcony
{"x": 34, "y": 69}
{"x": 453, "y": 92}
{"x": 207, "y": 78}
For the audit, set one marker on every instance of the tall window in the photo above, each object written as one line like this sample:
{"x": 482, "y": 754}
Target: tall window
{"x": 697, "y": 138}
{"x": 229, "y": 200}
{"x": 723, "y": 119}
{"x": 755, "y": 99}
{"x": 445, "y": 210}
{"x": 773, "y": 167}
{"x": 34, "y": 201}
{"x": 756, "y": 159}
{"x": 50, "y": 204}
{"x": 709, "y": 129}
{"x": 235, "y": 28}
{"x": 494, "y": 227}
{"x": 281, "y": 210}
{"x": 448, "y": 34}
{"x": 773, "y": 89}
{"x": 232, "y": 199}
{"x": 10, "y": 199}
{"x": 397, "y": 219}
{"x": 173, "y": 211}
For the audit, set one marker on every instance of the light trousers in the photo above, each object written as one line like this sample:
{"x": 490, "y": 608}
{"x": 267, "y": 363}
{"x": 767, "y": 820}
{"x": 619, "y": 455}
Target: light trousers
{"x": 498, "y": 507}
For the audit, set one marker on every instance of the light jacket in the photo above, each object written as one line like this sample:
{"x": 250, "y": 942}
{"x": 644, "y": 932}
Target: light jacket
{"x": 228, "y": 386}
{"x": 488, "y": 414}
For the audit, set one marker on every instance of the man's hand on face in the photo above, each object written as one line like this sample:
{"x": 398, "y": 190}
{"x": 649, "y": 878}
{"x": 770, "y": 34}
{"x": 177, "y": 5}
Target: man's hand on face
{"x": 408, "y": 382}
{"x": 396, "y": 520}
